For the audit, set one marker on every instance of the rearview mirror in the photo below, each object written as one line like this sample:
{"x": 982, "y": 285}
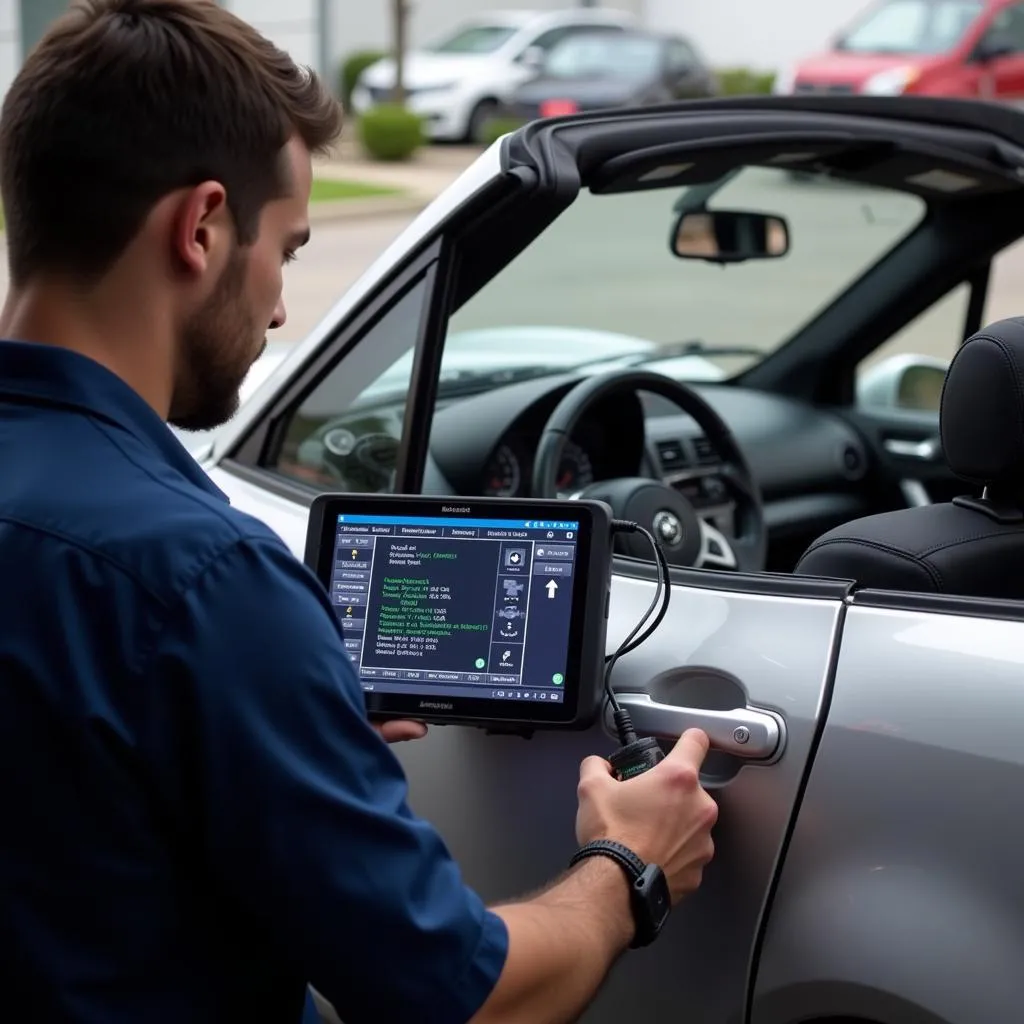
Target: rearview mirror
{"x": 729, "y": 236}
{"x": 911, "y": 382}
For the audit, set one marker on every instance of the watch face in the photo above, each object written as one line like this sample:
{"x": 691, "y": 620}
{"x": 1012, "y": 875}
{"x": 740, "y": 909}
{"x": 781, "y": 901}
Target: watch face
{"x": 658, "y": 897}
{"x": 652, "y": 903}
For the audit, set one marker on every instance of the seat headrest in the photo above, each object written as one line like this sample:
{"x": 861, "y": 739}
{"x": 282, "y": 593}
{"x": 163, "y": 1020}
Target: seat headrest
{"x": 981, "y": 417}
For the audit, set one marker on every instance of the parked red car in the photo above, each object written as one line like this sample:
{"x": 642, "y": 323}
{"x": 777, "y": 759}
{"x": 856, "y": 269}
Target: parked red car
{"x": 962, "y": 48}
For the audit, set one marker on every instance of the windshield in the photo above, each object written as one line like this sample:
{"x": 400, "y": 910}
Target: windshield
{"x": 474, "y": 39}
{"x": 912, "y": 26}
{"x": 606, "y": 55}
{"x": 602, "y": 280}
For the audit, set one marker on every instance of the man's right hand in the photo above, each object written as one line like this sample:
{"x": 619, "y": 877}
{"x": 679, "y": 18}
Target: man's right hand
{"x": 664, "y": 815}
{"x": 563, "y": 942}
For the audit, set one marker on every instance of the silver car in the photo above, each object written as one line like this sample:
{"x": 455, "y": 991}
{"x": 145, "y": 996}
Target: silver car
{"x": 762, "y": 356}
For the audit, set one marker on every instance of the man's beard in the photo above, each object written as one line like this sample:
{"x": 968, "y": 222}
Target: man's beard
{"x": 216, "y": 354}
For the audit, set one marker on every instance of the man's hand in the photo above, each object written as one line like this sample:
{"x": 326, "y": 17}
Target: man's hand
{"x": 664, "y": 815}
{"x": 397, "y": 731}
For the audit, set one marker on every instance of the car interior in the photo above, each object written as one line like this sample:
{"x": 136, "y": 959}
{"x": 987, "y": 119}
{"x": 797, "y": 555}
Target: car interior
{"x": 658, "y": 312}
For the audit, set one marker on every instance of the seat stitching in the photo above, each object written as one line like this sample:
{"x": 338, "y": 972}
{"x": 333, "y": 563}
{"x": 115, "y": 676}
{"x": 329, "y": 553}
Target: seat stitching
{"x": 1015, "y": 532}
{"x": 934, "y": 574}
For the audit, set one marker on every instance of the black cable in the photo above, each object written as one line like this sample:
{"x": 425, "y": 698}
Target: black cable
{"x": 662, "y": 594}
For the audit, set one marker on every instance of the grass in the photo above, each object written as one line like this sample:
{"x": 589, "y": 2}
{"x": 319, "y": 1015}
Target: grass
{"x": 330, "y": 189}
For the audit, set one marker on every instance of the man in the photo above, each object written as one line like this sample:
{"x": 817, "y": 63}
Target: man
{"x": 198, "y": 820}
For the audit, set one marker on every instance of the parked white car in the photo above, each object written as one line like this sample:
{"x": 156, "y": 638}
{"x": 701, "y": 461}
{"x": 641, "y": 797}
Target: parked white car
{"x": 458, "y": 82}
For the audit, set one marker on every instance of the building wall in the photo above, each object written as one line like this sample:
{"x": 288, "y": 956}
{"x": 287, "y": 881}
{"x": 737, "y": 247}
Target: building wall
{"x": 765, "y": 34}
{"x": 35, "y": 16}
{"x": 10, "y": 42}
{"x": 291, "y": 24}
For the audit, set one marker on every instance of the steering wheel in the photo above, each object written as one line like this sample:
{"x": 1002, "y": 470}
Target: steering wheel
{"x": 686, "y": 538}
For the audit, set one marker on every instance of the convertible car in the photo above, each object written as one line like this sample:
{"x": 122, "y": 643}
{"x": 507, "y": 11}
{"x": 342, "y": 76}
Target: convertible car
{"x": 791, "y": 382}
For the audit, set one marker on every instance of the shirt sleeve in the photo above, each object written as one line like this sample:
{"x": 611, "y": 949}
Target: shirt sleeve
{"x": 301, "y": 808}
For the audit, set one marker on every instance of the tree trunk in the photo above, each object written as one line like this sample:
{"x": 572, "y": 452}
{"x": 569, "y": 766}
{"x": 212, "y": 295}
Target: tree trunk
{"x": 398, "y": 15}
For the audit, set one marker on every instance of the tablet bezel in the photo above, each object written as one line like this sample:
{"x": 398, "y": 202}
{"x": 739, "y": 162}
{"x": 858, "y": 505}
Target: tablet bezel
{"x": 583, "y": 686}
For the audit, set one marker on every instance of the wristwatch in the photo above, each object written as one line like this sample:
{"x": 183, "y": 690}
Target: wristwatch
{"x": 648, "y": 891}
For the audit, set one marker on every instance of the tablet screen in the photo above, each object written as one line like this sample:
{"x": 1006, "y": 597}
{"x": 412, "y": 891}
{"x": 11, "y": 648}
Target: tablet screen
{"x": 443, "y": 607}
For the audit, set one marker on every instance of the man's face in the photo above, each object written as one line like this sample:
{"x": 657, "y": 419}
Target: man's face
{"x": 223, "y": 338}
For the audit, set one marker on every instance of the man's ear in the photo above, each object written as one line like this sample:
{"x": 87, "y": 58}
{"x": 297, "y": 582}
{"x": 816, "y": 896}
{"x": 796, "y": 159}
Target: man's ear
{"x": 201, "y": 228}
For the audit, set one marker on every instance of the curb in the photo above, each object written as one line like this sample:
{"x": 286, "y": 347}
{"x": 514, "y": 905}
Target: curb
{"x": 371, "y": 206}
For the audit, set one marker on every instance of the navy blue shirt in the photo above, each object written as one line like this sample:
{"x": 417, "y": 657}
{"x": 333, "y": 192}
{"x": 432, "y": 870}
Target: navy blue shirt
{"x": 196, "y": 818}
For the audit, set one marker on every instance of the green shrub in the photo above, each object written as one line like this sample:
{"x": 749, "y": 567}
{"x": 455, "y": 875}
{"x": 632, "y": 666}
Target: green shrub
{"x": 390, "y": 132}
{"x": 745, "y": 81}
{"x": 351, "y": 68}
{"x": 495, "y": 127}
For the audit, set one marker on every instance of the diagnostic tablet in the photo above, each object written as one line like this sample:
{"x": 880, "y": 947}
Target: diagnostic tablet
{"x": 485, "y": 611}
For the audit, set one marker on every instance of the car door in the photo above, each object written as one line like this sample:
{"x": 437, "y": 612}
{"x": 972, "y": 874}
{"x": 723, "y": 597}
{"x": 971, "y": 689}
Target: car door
{"x": 1002, "y": 78}
{"x": 727, "y": 648}
{"x": 732, "y": 651}
{"x": 923, "y": 728}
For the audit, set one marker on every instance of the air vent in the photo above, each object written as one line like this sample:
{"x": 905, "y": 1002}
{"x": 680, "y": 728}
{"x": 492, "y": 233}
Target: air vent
{"x": 852, "y": 462}
{"x": 705, "y": 450}
{"x": 672, "y": 456}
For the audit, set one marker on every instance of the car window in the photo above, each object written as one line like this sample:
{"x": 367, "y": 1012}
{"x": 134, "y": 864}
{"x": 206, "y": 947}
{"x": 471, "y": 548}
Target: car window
{"x": 548, "y": 40}
{"x": 681, "y": 56}
{"x": 932, "y": 338}
{"x": 345, "y": 434}
{"x": 602, "y": 281}
{"x": 933, "y": 335}
{"x": 911, "y": 26}
{"x": 474, "y": 39}
{"x": 1008, "y": 26}
{"x": 1004, "y": 286}
{"x": 620, "y": 55}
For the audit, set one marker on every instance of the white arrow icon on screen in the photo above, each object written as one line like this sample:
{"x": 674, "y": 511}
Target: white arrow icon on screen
{"x": 552, "y": 587}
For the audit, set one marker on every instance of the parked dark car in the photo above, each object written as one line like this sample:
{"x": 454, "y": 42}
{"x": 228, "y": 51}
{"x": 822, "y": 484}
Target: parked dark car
{"x": 594, "y": 70}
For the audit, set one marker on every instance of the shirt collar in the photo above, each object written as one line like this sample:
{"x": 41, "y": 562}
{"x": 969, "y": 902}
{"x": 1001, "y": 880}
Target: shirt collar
{"x": 49, "y": 375}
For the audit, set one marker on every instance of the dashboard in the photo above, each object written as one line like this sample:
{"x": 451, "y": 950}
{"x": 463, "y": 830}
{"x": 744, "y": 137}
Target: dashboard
{"x": 808, "y": 463}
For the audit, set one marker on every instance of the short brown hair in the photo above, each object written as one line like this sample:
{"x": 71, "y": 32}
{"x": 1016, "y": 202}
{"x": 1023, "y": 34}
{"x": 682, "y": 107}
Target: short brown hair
{"x": 124, "y": 101}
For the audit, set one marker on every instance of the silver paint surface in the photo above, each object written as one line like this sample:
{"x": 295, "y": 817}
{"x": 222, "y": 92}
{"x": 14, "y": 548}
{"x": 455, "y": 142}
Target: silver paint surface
{"x": 902, "y": 895}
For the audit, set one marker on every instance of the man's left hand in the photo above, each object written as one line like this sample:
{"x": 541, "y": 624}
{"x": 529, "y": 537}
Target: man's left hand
{"x": 397, "y": 731}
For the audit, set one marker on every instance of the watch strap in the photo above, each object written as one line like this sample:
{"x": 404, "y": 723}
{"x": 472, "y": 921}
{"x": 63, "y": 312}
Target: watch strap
{"x": 648, "y": 893}
{"x": 623, "y": 855}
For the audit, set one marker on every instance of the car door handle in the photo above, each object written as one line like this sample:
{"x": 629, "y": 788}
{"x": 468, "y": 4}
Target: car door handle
{"x": 743, "y": 732}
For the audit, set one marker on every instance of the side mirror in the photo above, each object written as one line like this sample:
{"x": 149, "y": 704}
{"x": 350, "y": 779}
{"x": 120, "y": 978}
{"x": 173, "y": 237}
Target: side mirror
{"x": 532, "y": 57}
{"x": 729, "y": 236}
{"x": 909, "y": 382}
{"x": 992, "y": 47}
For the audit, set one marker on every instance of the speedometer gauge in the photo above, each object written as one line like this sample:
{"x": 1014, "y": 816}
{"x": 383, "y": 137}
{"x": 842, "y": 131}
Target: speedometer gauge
{"x": 502, "y": 475}
{"x": 575, "y": 470}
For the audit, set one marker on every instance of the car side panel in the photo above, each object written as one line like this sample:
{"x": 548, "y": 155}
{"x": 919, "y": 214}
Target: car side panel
{"x": 507, "y": 806}
{"x": 902, "y": 898}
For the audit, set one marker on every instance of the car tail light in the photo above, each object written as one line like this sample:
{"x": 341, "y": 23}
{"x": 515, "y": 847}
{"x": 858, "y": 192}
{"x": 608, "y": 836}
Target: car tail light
{"x": 558, "y": 108}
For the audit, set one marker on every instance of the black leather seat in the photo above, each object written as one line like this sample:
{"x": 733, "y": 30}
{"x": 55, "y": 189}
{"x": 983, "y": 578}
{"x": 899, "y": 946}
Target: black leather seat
{"x": 972, "y": 547}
